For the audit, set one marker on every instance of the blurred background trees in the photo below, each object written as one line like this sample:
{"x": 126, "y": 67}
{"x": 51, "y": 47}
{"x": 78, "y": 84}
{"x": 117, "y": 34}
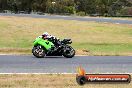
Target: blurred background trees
{"x": 67, "y": 7}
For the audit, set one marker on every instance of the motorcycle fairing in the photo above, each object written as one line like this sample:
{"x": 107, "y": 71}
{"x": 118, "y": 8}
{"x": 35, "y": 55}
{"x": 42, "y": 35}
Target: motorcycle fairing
{"x": 45, "y": 43}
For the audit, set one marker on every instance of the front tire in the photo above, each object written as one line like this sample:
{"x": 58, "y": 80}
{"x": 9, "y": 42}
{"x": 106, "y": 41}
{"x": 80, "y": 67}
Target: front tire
{"x": 38, "y": 51}
{"x": 69, "y": 52}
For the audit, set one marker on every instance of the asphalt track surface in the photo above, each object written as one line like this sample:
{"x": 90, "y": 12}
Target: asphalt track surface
{"x": 92, "y": 64}
{"x": 96, "y": 19}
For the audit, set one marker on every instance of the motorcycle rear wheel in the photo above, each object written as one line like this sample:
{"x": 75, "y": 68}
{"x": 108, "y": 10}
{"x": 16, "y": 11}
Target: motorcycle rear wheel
{"x": 69, "y": 52}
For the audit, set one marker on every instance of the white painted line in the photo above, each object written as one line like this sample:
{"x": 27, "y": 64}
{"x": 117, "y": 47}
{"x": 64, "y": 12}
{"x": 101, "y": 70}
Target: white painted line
{"x": 117, "y": 23}
{"x": 58, "y": 73}
{"x": 36, "y": 73}
{"x": 106, "y": 18}
{"x": 105, "y": 22}
{"x": 61, "y": 16}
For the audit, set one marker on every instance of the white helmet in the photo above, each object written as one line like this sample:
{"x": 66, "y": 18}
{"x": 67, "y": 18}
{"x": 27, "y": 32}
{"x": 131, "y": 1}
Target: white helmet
{"x": 46, "y": 33}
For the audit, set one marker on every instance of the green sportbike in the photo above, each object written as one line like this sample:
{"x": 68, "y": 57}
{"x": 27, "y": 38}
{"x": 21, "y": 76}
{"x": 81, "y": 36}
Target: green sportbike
{"x": 44, "y": 48}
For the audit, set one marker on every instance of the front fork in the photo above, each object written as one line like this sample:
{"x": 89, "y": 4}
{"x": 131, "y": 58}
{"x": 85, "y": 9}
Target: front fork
{"x": 37, "y": 50}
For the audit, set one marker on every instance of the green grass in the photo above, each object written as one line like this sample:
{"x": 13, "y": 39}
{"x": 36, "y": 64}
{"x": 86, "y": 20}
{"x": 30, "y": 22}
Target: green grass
{"x": 3, "y": 25}
{"x": 107, "y": 49}
{"x": 18, "y": 33}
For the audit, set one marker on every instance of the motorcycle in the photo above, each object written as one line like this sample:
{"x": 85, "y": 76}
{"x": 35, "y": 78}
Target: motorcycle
{"x": 44, "y": 47}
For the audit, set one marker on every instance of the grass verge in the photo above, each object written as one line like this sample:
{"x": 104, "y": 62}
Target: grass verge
{"x": 89, "y": 38}
{"x": 49, "y": 81}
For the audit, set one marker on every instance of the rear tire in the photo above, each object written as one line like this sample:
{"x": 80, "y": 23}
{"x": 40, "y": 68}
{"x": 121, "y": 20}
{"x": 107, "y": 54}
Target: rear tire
{"x": 69, "y": 52}
{"x": 38, "y": 51}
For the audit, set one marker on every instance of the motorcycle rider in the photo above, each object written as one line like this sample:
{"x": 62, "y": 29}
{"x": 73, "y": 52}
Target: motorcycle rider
{"x": 46, "y": 35}
{"x": 52, "y": 39}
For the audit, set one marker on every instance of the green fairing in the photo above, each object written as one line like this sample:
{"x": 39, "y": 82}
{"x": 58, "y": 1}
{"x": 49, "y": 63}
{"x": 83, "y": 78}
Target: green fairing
{"x": 45, "y": 43}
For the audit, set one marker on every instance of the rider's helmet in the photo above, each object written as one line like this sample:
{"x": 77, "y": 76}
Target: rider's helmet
{"x": 45, "y": 35}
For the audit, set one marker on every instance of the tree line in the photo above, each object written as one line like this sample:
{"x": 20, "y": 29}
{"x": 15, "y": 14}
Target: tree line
{"x": 79, "y": 7}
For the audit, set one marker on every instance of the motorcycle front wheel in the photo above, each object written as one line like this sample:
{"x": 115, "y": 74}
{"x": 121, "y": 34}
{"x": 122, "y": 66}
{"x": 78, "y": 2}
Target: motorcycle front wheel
{"x": 38, "y": 51}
